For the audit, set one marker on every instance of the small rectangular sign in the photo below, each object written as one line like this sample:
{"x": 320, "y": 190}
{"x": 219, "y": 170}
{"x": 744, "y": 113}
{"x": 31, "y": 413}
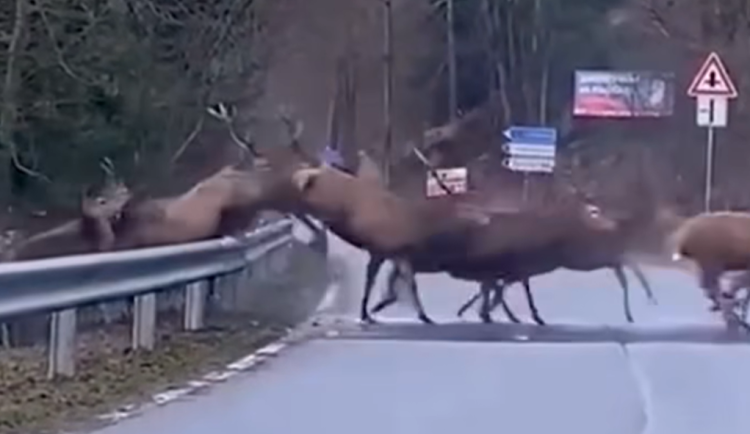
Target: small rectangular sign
{"x": 711, "y": 111}
{"x": 456, "y": 179}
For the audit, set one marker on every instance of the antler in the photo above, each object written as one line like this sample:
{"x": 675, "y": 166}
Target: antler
{"x": 295, "y": 128}
{"x": 226, "y": 114}
{"x": 431, "y": 170}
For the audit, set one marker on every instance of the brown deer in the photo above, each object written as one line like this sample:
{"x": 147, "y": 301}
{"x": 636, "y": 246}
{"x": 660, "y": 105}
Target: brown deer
{"x": 591, "y": 249}
{"x": 512, "y": 247}
{"x": 386, "y": 225}
{"x": 82, "y": 235}
{"x": 716, "y": 242}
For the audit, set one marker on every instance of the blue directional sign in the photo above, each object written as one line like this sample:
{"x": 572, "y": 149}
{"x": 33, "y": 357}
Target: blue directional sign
{"x": 531, "y": 149}
{"x": 532, "y": 135}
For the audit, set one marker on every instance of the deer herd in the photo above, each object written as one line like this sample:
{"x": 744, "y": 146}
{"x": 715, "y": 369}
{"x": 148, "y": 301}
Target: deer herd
{"x": 493, "y": 249}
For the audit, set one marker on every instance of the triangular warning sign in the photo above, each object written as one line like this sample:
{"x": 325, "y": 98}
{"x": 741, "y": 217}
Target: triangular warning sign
{"x": 712, "y": 80}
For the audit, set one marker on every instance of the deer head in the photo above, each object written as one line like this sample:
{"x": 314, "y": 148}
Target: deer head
{"x": 108, "y": 204}
{"x": 304, "y": 178}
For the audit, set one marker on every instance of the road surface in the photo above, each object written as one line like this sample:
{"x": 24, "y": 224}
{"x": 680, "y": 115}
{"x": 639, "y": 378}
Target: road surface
{"x": 673, "y": 372}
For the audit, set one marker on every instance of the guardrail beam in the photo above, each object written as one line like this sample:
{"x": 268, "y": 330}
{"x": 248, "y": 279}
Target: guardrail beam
{"x": 62, "y": 284}
{"x": 62, "y": 342}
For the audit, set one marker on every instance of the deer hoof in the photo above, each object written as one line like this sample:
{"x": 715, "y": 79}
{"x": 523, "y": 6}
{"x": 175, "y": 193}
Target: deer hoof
{"x": 367, "y": 320}
{"x": 426, "y": 319}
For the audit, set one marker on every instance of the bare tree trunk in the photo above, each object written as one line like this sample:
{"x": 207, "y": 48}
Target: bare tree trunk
{"x": 452, "y": 79}
{"x": 497, "y": 76}
{"x": 9, "y": 110}
{"x": 544, "y": 88}
{"x": 349, "y": 135}
{"x": 388, "y": 89}
{"x": 334, "y": 109}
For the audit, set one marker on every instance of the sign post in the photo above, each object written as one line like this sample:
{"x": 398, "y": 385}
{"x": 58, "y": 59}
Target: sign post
{"x": 712, "y": 88}
{"x": 530, "y": 150}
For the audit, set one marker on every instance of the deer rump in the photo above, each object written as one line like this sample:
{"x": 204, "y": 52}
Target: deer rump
{"x": 717, "y": 242}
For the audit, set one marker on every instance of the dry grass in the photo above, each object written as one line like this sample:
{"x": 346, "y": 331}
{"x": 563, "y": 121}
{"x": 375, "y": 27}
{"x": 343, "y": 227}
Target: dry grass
{"x": 109, "y": 374}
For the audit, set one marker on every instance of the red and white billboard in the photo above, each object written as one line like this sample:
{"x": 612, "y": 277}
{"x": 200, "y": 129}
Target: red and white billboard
{"x": 623, "y": 94}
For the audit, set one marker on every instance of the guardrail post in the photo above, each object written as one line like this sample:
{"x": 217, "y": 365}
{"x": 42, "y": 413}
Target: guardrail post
{"x": 62, "y": 343}
{"x": 225, "y": 288}
{"x": 195, "y": 304}
{"x": 144, "y": 321}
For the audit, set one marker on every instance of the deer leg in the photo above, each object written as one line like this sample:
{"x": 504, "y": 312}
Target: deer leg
{"x": 390, "y": 296}
{"x": 464, "y": 307}
{"x": 486, "y": 289}
{"x": 499, "y": 298}
{"x": 408, "y": 272}
{"x": 709, "y": 282}
{"x": 733, "y": 321}
{"x": 723, "y": 302}
{"x": 745, "y": 304}
{"x": 373, "y": 266}
{"x": 320, "y": 240}
{"x": 636, "y": 269}
{"x": 736, "y": 285}
{"x": 532, "y": 305}
{"x": 623, "y": 280}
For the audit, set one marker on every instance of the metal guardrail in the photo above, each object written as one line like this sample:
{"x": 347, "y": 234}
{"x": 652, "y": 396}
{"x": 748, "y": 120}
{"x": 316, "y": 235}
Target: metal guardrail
{"x": 62, "y": 284}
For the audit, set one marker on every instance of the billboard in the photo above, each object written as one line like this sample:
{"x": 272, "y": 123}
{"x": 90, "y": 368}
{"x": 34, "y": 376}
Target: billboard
{"x": 623, "y": 94}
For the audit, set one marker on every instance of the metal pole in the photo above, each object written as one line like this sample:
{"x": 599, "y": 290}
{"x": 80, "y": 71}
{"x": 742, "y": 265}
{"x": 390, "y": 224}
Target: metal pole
{"x": 388, "y": 88}
{"x": 452, "y": 79}
{"x": 709, "y": 168}
{"x": 525, "y": 191}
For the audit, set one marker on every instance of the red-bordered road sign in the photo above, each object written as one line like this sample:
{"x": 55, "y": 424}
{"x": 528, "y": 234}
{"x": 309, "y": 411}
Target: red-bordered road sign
{"x": 712, "y": 79}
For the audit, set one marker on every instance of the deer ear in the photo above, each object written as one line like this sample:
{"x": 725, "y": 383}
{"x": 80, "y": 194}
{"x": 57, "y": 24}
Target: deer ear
{"x": 304, "y": 178}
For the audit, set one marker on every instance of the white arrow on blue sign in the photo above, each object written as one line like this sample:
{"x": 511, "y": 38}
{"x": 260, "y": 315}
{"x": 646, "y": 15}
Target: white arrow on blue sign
{"x": 524, "y": 150}
{"x": 531, "y": 141}
{"x": 532, "y": 135}
{"x": 530, "y": 164}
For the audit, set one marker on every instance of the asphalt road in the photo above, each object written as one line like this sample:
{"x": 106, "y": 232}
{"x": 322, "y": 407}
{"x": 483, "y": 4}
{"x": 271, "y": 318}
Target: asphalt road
{"x": 672, "y": 372}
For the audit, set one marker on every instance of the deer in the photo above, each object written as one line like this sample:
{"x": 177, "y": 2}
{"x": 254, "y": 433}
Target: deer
{"x": 223, "y": 203}
{"x": 80, "y": 235}
{"x": 370, "y": 217}
{"x": 593, "y": 248}
{"x": 717, "y": 242}
{"x": 512, "y": 247}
